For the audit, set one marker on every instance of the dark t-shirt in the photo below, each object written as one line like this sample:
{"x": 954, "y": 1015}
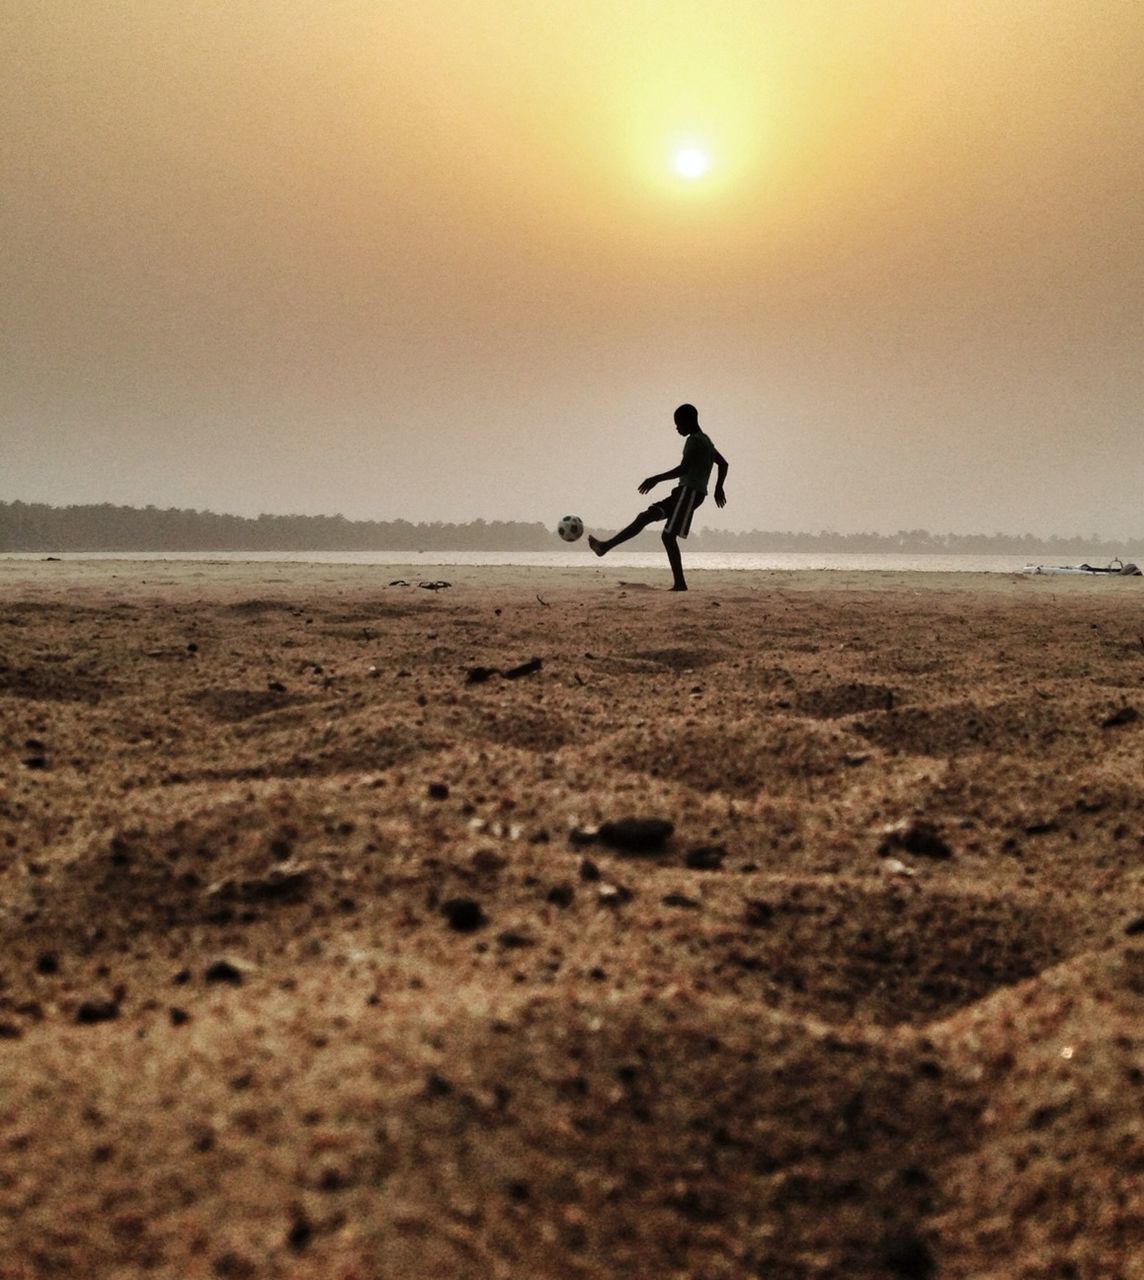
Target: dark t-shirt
{"x": 698, "y": 459}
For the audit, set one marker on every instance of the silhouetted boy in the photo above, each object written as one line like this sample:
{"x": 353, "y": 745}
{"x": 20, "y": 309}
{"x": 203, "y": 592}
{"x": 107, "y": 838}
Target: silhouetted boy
{"x": 699, "y": 456}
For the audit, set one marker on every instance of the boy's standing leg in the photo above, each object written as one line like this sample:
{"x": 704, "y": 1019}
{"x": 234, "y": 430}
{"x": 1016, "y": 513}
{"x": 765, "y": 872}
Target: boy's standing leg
{"x": 671, "y": 546}
{"x": 658, "y": 511}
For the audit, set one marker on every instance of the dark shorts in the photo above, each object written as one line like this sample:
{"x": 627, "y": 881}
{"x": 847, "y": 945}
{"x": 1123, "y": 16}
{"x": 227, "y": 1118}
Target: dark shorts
{"x": 677, "y": 509}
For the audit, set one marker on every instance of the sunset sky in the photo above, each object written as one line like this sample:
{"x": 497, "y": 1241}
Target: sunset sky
{"x": 435, "y": 259}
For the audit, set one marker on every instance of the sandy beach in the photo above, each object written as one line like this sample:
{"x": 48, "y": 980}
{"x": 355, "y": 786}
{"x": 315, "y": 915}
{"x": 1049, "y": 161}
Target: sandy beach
{"x": 331, "y": 952}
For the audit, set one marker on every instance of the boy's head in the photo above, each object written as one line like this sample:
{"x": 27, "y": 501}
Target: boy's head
{"x": 686, "y": 419}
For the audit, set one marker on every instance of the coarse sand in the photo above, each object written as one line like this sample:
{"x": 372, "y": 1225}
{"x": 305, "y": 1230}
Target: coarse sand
{"x": 321, "y": 960}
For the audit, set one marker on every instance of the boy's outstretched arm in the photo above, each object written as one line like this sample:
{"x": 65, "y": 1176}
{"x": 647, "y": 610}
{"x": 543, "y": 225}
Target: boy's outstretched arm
{"x": 652, "y": 481}
{"x": 721, "y": 463}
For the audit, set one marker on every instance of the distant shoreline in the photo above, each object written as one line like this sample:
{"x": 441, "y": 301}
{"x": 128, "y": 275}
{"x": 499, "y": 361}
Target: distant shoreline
{"x": 106, "y": 529}
{"x": 566, "y": 559}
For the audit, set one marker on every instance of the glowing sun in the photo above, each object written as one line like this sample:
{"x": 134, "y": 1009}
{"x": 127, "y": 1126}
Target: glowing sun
{"x": 691, "y": 163}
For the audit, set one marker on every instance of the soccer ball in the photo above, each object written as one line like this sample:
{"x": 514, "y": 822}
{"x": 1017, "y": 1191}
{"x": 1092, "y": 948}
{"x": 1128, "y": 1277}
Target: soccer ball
{"x": 570, "y": 528}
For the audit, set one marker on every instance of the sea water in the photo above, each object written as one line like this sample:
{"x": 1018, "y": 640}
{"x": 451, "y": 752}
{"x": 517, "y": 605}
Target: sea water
{"x": 581, "y": 558}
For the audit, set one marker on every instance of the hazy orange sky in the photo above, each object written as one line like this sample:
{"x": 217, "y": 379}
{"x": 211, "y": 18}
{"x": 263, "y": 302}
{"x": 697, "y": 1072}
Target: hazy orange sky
{"x": 432, "y": 260}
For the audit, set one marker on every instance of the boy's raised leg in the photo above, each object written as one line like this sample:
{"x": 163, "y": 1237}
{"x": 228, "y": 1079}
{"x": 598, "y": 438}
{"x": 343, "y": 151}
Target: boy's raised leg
{"x": 602, "y": 547}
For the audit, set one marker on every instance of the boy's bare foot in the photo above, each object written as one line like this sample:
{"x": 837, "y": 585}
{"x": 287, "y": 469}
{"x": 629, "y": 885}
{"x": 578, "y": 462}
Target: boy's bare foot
{"x": 594, "y": 543}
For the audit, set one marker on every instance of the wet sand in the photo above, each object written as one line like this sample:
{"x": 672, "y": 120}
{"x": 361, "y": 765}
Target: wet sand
{"x": 321, "y": 960}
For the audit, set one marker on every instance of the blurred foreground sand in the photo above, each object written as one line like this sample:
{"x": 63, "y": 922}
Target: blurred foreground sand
{"x": 314, "y": 965}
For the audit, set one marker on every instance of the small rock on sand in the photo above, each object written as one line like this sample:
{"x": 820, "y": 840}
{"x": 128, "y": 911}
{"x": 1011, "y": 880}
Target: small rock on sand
{"x": 463, "y": 914}
{"x": 636, "y": 835}
{"x": 223, "y": 971}
{"x": 91, "y": 1011}
{"x": 708, "y": 857}
{"x": 915, "y": 836}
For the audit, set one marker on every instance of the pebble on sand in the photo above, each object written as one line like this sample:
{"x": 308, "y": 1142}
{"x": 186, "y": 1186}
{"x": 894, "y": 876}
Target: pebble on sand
{"x": 636, "y": 835}
{"x": 708, "y": 857}
{"x": 223, "y": 971}
{"x": 92, "y": 1011}
{"x": 914, "y": 836}
{"x": 463, "y": 914}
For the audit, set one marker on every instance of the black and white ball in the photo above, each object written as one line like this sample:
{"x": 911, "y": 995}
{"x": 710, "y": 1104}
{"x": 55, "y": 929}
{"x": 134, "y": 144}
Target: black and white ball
{"x": 570, "y": 528}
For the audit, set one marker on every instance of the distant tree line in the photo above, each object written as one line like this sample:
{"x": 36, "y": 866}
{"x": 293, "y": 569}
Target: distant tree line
{"x": 33, "y": 526}
{"x": 28, "y": 526}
